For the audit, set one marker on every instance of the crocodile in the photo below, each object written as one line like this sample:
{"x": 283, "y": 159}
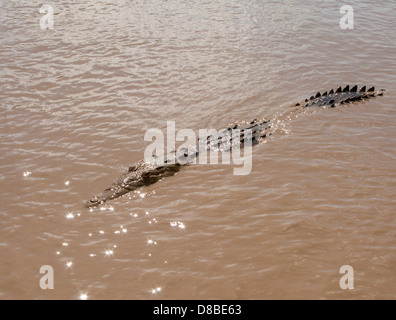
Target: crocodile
{"x": 145, "y": 173}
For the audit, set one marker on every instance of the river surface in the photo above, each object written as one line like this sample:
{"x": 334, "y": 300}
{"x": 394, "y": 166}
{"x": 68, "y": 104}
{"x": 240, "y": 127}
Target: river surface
{"x": 76, "y": 101}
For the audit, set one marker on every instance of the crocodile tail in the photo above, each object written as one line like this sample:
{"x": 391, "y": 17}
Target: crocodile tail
{"x": 340, "y": 96}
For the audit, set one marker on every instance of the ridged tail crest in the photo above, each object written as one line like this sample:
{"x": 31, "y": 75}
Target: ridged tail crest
{"x": 341, "y": 96}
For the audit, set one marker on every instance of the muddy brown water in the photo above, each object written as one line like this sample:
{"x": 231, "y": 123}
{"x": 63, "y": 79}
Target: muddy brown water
{"x": 76, "y": 101}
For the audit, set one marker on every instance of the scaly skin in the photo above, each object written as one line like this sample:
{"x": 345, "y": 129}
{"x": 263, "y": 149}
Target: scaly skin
{"x": 146, "y": 173}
